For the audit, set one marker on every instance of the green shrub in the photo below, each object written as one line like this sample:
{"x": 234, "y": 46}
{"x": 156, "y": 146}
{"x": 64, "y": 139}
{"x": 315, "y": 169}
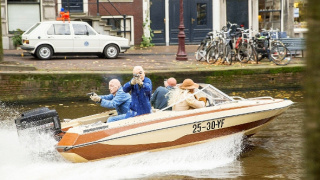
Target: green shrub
{"x": 17, "y": 39}
{"x": 147, "y": 41}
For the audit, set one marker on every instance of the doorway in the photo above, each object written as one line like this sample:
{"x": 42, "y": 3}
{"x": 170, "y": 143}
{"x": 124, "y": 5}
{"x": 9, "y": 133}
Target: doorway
{"x": 197, "y": 20}
{"x": 158, "y": 21}
{"x": 197, "y": 16}
{"x": 237, "y": 12}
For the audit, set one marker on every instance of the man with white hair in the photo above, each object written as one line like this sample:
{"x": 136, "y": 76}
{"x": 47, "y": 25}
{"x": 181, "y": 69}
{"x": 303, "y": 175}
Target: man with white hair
{"x": 117, "y": 99}
{"x": 141, "y": 89}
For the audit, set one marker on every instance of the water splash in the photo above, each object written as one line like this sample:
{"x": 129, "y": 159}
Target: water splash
{"x": 34, "y": 156}
{"x": 7, "y": 112}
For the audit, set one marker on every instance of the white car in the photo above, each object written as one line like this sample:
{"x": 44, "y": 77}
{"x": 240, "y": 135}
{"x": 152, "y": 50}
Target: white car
{"x": 45, "y": 39}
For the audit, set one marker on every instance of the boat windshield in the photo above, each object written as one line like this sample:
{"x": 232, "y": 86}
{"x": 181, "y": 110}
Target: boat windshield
{"x": 214, "y": 96}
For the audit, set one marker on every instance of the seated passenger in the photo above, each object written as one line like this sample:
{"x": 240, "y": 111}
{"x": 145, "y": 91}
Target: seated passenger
{"x": 117, "y": 99}
{"x": 184, "y": 92}
{"x": 160, "y": 97}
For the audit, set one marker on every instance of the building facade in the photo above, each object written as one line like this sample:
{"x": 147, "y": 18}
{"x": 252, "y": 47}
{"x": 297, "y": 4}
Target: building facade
{"x": 202, "y": 16}
{"x": 134, "y": 19}
{"x": 115, "y": 17}
{"x": 21, "y": 14}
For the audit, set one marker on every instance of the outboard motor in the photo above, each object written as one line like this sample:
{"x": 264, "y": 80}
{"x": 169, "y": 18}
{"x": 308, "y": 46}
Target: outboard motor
{"x": 43, "y": 119}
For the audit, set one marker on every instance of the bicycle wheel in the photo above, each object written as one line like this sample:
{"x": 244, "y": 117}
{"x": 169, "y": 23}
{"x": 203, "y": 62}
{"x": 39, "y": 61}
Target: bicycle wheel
{"x": 286, "y": 60}
{"x": 212, "y": 54}
{"x": 260, "y": 56}
{"x": 256, "y": 56}
{"x": 200, "y": 52}
{"x": 278, "y": 53}
{"x": 252, "y": 53}
{"x": 228, "y": 55}
{"x": 242, "y": 53}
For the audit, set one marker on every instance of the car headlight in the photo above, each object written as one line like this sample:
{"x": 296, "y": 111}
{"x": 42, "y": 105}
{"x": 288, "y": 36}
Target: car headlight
{"x": 25, "y": 41}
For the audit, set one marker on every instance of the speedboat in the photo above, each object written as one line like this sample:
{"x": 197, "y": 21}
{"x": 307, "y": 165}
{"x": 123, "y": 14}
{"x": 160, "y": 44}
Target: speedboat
{"x": 90, "y": 138}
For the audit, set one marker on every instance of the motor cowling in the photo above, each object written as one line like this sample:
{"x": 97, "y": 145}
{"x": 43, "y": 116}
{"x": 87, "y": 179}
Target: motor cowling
{"x": 40, "y": 118}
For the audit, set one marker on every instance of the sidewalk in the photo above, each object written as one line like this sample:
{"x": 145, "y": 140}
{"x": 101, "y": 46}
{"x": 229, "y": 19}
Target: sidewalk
{"x": 152, "y": 59}
{"x": 155, "y": 50}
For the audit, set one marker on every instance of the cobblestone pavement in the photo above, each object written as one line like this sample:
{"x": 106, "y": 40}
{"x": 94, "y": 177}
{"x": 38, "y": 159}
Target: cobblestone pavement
{"x": 155, "y": 59}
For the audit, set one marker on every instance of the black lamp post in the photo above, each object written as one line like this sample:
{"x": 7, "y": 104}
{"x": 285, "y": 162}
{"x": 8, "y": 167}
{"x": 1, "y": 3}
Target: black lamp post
{"x": 181, "y": 55}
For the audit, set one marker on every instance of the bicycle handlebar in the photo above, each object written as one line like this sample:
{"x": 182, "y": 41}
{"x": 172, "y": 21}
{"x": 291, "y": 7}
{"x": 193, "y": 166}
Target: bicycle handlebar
{"x": 271, "y": 30}
{"x": 234, "y": 24}
{"x": 275, "y": 30}
{"x": 246, "y": 30}
{"x": 226, "y": 32}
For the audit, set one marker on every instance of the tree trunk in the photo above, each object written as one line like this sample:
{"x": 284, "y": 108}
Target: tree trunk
{"x": 312, "y": 93}
{"x": 1, "y": 46}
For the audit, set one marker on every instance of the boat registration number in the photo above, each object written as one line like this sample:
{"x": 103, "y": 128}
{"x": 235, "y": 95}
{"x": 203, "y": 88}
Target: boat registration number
{"x": 210, "y": 125}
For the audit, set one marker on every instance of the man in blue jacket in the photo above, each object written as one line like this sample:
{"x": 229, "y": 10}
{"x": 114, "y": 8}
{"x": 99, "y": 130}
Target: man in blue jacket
{"x": 141, "y": 89}
{"x": 117, "y": 99}
{"x": 160, "y": 97}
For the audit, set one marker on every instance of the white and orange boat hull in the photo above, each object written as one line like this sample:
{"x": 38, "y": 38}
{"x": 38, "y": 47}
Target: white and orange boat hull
{"x": 168, "y": 129}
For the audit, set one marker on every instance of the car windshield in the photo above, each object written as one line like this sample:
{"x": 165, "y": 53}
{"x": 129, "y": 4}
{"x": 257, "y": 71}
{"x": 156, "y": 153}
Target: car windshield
{"x": 32, "y": 28}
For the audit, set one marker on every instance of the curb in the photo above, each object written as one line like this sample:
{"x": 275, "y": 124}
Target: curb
{"x": 124, "y": 54}
{"x": 223, "y": 72}
{"x": 16, "y": 68}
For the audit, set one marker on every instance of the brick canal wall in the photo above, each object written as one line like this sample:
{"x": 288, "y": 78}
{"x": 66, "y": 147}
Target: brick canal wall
{"x": 28, "y": 88}
{"x": 31, "y": 88}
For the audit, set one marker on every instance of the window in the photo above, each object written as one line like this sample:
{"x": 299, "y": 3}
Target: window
{"x": 116, "y": 23}
{"x": 91, "y": 32}
{"x": 269, "y": 14}
{"x": 201, "y": 13}
{"x": 22, "y": 16}
{"x": 23, "y": 1}
{"x": 72, "y": 6}
{"x": 82, "y": 29}
{"x": 300, "y": 7}
{"x": 59, "y": 29}
{"x": 33, "y": 27}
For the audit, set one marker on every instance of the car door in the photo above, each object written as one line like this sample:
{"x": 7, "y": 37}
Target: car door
{"x": 85, "y": 38}
{"x": 59, "y": 35}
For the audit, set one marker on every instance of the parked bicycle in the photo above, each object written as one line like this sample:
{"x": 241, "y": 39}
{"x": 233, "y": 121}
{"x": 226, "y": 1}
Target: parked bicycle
{"x": 204, "y": 46}
{"x": 245, "y": 47}
{"x": 267, "y": 45}
{"x": 222, "y": 47}
{"x": 225, "y": 46}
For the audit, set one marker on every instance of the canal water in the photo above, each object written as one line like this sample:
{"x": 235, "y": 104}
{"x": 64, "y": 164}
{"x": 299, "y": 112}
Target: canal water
{"x": 273, "y": 153}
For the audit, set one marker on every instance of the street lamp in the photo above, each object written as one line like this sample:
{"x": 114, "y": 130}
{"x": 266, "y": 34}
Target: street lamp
{"x": 181, "y": 55}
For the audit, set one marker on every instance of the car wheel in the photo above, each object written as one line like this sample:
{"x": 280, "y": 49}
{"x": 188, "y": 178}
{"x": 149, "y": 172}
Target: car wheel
{"x": 44, "y": 52}
{"x": 111, "y": 51}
